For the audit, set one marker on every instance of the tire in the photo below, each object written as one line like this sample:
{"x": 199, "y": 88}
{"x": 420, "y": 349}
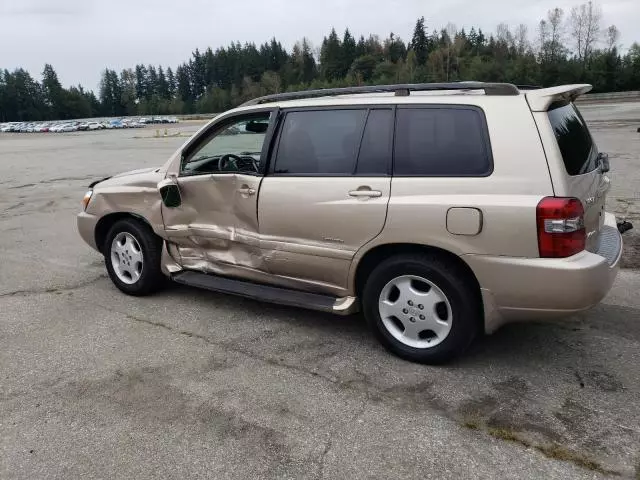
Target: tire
{"x": 443, "y": 309}
{"x": 137, "y": 269}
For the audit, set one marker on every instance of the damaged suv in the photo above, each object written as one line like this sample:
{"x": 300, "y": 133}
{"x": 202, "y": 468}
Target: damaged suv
{"x": 440, "y": 211}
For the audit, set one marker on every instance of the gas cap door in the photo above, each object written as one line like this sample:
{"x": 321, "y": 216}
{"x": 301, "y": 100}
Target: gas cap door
{"x": 464, "y": 221}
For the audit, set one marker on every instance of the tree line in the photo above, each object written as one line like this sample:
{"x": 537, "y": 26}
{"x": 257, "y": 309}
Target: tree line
{"x": 571, "y": 47}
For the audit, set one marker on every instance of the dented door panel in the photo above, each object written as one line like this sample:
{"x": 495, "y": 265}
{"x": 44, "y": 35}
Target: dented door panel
{"x": 215, "y": 229}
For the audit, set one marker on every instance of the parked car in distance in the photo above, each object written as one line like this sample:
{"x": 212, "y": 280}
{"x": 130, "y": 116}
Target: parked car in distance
{"x": 61, "y": 126}
{"x": 496, "y": 215}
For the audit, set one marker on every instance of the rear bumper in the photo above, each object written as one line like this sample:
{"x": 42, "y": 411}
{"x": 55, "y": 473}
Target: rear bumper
{"x": 521, "y": 289}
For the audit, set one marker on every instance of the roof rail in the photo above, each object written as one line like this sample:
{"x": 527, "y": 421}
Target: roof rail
{"x": 528, "y": 87}
{"x": 399, "y": 90}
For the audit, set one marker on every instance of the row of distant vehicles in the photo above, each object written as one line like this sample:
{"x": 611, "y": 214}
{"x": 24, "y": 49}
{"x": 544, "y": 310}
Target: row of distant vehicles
{"x": 76, "y": 126}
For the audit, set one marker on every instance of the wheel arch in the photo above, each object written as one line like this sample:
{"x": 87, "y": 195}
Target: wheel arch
{"x": 375, "y": 255}
{"x": 105, "y": 223}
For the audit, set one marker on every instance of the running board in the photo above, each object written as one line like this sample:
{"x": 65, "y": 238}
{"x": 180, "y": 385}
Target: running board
{"x": 267, "y": 293}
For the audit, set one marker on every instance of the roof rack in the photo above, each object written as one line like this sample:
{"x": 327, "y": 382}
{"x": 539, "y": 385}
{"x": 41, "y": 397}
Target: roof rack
{"x": 400, "y": 90}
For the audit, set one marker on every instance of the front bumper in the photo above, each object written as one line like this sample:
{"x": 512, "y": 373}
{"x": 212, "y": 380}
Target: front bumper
{"x": 522, "y": 289}
{"x": 87, "y": 227}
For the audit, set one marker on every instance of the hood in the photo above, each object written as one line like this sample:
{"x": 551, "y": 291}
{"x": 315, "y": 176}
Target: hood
{"x": 139, "y": 177}
{"x": 135, "y": 172}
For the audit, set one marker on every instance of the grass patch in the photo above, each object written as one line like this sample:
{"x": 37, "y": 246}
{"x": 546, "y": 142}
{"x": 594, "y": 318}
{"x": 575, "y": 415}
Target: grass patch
{"x": 508, "y": 436}
{"x": 471, "y": 424}
{"x": 554, "y": 451}
{"x": 558, "y": 452}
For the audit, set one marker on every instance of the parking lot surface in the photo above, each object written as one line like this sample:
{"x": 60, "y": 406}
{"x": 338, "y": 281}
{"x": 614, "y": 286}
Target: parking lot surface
{"x": 192, "y": 384}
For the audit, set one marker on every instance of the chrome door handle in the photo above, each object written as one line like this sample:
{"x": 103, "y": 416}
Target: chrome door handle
{"x": 247, "y": 191}
{"x": 365, "y": 193}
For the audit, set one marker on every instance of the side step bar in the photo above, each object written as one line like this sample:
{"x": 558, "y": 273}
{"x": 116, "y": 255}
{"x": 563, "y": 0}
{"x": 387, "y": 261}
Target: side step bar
{"x": 267, "y": 293}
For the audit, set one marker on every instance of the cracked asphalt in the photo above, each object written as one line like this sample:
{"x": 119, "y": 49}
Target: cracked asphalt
{"x": 191, "y": 384}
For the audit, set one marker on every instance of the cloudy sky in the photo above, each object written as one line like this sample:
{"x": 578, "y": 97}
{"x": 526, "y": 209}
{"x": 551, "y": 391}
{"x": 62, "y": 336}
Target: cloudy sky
{"x": 81, "y": 37}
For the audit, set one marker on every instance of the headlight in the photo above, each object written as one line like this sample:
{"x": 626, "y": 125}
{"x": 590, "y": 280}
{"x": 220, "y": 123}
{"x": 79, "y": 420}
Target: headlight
{"x": 86, "y": 199}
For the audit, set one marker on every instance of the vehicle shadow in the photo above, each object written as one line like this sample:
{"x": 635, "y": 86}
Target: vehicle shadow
{"x": 527, "y": 342}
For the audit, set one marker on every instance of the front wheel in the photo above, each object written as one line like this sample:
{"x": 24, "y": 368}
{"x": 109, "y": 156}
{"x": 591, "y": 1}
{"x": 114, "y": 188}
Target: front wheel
{"x": 132, "y": 255}
{"x": 423, "y": 308}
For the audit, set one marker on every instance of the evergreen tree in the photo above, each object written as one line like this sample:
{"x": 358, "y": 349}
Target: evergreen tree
{"x": 111, "y": 93}
{"x": 53, "y": 93}
{"x": 394, "y": 49}
{"x": 128, "y": 94}
{"x": 331, "y": 59}
{"x": 171, "y": 83}
{"x": 349, "y": 47}
{"x": 209, "y": 68}
{"x": 152, "y": 82}
{"x": 183, "y": 87}
{"x": 361, "y": 47}
{"x": 197, "y": 74}
{"x": 163, "y": 85}
{"x": 141, "y": 82}
{"x": 419, "y": 42}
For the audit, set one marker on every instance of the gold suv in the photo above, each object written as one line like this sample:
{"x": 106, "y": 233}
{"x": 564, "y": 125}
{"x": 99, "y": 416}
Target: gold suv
{"x": 439, "y": 210}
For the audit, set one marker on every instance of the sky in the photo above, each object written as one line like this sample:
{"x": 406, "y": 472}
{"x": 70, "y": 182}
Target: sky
{"x": 80, "y": 38}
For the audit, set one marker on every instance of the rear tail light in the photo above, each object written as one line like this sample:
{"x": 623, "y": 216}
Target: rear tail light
{"x": 561, "y": 231}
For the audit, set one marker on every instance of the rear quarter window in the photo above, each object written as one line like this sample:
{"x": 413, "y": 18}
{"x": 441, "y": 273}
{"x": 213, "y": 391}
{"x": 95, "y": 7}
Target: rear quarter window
{"x": 579, "y": 152}
{"x": 443, "y": 141}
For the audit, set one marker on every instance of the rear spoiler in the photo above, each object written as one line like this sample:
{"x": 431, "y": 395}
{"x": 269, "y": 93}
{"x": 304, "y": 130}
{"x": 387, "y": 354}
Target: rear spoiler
{"x": 539, "y": 100}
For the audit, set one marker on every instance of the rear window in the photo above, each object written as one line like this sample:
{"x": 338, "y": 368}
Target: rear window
{"x": 442, "y": 141}
{"x": 578, "y": 150}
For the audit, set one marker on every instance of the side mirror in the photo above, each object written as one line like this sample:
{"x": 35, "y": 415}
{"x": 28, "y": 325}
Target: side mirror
{"x": 170, "y": 192}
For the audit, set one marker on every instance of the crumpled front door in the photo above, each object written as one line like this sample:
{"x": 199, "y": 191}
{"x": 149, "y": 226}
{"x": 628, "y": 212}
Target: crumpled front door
{"x": 215, "y": 229}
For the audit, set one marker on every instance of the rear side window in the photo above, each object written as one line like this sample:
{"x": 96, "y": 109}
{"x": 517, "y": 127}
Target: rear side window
{"x": 578, "y": 151}
{"x": 442, "y": 141}
{"x": 320, "y": 142}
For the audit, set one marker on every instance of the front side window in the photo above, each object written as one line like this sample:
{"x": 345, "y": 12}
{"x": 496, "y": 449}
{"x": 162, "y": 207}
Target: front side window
{"x": 320, "y": 142}
{"x": 234, "y": 148}
{"x": 441, "y": 141}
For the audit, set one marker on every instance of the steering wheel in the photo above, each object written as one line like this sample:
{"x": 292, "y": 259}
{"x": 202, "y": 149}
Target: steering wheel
{"x": 229, "y": 160}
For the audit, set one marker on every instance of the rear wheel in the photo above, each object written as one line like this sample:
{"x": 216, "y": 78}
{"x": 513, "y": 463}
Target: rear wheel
{"x": 132, "y": 256}
{"x": 423, "y": 308}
